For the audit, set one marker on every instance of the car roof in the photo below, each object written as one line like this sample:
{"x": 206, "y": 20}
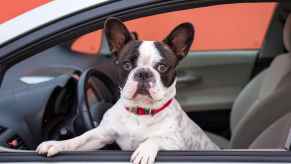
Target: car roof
{"x": 41, "y": 16}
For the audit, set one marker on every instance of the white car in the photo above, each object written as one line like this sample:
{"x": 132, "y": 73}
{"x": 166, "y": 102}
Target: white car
{"x": 57, "y": 78}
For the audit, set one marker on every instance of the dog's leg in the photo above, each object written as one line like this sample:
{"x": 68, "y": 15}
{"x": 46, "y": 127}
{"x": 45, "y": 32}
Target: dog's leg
{"x": 91, "y": 140}
{"x": 148, "y": 150}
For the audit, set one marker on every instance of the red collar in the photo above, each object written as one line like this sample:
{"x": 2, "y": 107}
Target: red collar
{"x": 145, "y": 111}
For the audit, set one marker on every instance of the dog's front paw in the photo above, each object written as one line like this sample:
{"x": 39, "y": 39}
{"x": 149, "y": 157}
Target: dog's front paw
{"x": 145, "y": 154}
{"x": 50, "y": 148}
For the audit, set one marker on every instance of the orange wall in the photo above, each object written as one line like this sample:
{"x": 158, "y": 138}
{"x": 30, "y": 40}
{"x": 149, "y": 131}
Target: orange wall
{"x": 221, "y": 27}
{"x": 12, "y": 8}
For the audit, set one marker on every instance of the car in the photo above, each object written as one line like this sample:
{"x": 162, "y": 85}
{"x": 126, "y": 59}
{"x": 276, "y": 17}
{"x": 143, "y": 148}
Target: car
{"x": 57, "y": 77}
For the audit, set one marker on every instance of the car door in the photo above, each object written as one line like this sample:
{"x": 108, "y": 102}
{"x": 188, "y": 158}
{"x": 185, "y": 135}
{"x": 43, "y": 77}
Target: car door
{"x": 54, "y": 33}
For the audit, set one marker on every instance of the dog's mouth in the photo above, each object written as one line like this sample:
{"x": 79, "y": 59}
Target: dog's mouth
{"x": 143, "y": 90}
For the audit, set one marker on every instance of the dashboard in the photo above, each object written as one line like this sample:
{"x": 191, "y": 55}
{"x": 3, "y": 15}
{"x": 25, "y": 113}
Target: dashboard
{"x": 39, "y": 112}
{"x": 55, "y": 108}
{"x": 40, "y": 97}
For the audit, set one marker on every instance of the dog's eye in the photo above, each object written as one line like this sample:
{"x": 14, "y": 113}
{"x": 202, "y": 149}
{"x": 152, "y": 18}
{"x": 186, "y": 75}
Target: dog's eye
{"x": 162, "y": 68}
{"x": 127, "y": 66}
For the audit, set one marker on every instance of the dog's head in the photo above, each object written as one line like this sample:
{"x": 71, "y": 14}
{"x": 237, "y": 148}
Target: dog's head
{"x": 147, "y": 68}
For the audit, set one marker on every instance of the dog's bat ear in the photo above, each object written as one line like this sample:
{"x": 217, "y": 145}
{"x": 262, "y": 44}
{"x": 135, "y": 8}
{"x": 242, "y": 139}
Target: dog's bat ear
{"x": 117, "y": 34}
{"x": 180, "y": 39}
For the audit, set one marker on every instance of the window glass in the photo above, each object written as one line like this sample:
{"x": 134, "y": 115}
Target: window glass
{"x": 223, "y": 27}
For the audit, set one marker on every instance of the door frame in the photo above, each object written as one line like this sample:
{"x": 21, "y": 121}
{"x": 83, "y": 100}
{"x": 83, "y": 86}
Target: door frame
{"x": 163, "y": 156}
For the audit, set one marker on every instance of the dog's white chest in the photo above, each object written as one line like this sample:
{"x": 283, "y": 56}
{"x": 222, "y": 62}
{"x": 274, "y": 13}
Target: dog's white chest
{"x": 131, "y": 130}
{"x": 134, "y": 129}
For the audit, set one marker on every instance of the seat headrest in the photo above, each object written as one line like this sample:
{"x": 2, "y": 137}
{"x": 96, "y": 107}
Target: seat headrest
{"x": 287, "y": 33}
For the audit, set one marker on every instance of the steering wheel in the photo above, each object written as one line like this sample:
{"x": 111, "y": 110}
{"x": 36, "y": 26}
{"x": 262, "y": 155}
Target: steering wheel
{"x": 95, "y": 97}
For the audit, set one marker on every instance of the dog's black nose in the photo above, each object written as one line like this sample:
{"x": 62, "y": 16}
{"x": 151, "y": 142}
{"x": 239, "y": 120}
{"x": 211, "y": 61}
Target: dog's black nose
{"x": 143, "y": 75}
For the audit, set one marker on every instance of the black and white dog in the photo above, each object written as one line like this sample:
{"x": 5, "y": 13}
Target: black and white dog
{"x": 146, "y": 118}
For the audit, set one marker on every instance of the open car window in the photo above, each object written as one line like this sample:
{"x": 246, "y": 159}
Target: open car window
{"x": 237, "y": 27}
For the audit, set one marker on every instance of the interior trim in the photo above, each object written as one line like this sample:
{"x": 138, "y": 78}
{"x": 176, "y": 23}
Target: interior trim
{"x": 169, "y": 156}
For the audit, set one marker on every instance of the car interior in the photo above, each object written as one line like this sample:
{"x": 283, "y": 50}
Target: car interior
{"x": 240, "y": 100}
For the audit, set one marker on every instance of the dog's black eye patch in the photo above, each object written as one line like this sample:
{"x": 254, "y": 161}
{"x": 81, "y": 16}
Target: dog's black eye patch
{"x": 127, "y": 60}
{"x": 130, "y": 61}
{"x": 166, "y": 67}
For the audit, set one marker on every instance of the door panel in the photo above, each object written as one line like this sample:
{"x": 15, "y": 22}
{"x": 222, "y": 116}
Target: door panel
{"x": 213, "y": 80}
{"x": 274, "y": 156}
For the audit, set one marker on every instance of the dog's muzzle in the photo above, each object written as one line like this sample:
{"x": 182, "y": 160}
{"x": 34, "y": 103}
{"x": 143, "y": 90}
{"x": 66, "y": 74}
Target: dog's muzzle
{"x": 144, "y": 77}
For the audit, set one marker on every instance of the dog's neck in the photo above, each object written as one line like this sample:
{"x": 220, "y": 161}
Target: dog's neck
{"x": 147, "y": 111}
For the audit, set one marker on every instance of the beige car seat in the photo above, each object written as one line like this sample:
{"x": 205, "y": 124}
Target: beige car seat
{"x": 266, "y": 98}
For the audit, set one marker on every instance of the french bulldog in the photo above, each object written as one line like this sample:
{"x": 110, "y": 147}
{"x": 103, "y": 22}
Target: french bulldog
{"x": 147, "y": 117}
